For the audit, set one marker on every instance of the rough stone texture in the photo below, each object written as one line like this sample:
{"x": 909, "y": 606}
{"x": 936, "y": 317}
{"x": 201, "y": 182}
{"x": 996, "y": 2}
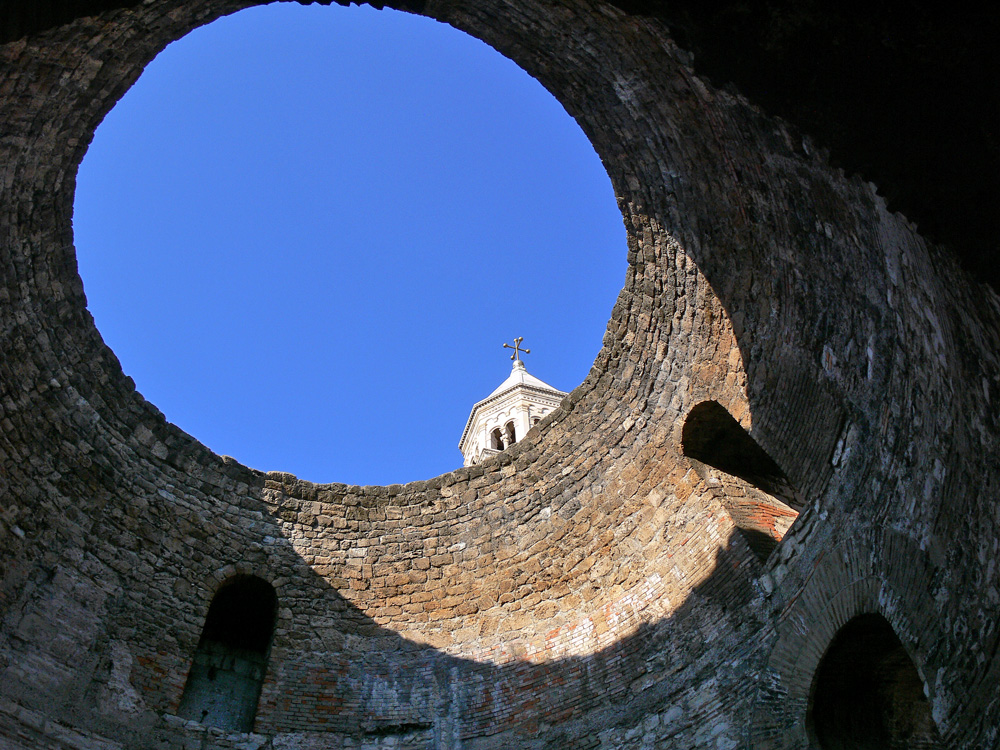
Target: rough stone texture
{"x": 587, "y": 588}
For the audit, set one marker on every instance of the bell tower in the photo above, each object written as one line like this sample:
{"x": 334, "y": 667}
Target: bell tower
{"x": 513, "y": 408}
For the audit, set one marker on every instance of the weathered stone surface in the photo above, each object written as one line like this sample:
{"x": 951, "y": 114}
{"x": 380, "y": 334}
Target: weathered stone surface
{"x": 586, "y": 588}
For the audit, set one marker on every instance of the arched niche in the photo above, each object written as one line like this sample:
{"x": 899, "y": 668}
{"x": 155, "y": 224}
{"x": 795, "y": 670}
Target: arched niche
{"x": 223, "y": 685}
{"x": 755, "y": 491}
{"x": 867, "y": 693}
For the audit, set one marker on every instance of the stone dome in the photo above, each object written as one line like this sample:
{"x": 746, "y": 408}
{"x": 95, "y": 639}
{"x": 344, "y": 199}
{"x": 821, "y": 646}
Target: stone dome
{"x": 640, "y": 573}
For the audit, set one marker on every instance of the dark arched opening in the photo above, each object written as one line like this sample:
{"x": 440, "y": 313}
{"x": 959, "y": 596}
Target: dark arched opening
{"x": 755, "y": 491}
{"x": 713, "y": 436}
{"x": 228, "y": 669}
{"x": 496, "y": 440}
{"x": 867, "y": 694}
{"x": 511, "y": 435}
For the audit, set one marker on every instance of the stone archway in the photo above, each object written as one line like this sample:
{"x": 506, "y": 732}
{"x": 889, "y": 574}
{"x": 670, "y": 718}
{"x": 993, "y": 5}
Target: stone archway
{"x": 228, "y": 669}
{"x": 867, "y": 694}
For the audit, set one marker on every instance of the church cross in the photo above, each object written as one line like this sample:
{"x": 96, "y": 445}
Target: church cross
{"x": 517, "y": 348}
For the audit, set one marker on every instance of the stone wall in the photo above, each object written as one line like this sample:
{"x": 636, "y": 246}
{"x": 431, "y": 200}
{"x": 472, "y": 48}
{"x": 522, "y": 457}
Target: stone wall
{"x": 586, "y": 588}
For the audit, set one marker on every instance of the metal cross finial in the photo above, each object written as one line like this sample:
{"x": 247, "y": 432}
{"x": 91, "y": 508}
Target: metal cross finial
{"x": 517, "y": 348}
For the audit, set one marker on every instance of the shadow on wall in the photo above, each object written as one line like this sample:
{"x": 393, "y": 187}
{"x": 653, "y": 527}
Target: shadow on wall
{"x": 386, "y": 686}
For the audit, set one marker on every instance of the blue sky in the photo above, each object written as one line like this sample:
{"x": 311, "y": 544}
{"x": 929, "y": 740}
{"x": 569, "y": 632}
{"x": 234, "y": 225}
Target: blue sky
{"x": 307, "y": 231}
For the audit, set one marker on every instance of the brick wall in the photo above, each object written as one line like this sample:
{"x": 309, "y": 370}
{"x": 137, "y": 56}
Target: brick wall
{"x": 588, "y": 587}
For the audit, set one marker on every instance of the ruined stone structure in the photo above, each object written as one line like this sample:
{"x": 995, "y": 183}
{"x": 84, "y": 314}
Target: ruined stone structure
{"x": 638, "y": 573}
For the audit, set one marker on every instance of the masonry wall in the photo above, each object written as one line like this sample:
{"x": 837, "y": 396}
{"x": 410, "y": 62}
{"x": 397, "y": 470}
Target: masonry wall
{"x": 586, "y": 588}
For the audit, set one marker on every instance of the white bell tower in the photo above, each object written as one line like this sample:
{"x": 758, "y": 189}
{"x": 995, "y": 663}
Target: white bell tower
{"x": 503, "y": 417}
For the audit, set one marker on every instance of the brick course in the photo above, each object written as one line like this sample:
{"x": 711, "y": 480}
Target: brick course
{"x": 586, "y": 588}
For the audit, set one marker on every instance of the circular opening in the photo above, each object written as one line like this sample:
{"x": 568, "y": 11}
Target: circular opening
{"x": 307, "y": 231}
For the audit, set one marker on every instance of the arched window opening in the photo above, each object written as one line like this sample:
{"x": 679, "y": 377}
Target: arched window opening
{"x": 509, "y": 432}
{"x": 711, "y": 435}
{"x": 496, "y": 440}
{"x": 867, "y": 694}
{"x": 755, "y": 491}
{"x": 227, "y": 672}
